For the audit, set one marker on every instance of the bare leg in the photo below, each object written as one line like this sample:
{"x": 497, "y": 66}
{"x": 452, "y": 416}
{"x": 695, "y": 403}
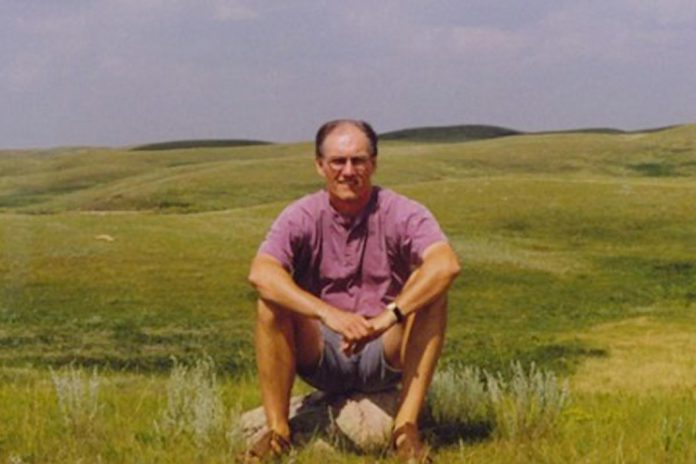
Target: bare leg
{"x": 415, "y": 347}
{"x": 425, "y": 334}
{"x": 278, "y": 334}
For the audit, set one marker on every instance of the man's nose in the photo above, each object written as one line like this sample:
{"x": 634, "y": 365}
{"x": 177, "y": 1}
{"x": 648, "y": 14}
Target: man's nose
{"x": 348, "y": 168}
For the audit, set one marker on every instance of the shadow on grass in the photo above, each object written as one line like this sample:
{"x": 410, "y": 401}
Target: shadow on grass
{"x": 442, "y": 435}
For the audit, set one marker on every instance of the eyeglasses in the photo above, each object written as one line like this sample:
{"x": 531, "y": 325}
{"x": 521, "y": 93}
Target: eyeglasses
{"x": 359, "y": 163}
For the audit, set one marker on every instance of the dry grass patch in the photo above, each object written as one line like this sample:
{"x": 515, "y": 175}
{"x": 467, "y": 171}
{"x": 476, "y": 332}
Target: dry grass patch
{"x": 644, "y": 355}
{"x": 497, "y": 251}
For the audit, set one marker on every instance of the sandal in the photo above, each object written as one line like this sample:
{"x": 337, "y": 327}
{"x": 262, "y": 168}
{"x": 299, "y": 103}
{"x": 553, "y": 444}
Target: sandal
{"x": 410, "y": 448}
{"x": 270, "y": 445}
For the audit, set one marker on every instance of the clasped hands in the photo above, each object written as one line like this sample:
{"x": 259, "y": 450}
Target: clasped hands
{"x": 357, "y": 330}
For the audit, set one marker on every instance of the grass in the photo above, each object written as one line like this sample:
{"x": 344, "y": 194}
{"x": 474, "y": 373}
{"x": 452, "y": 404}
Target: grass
{"x": 594, "y": 427}
{"x": 577, "y": 254}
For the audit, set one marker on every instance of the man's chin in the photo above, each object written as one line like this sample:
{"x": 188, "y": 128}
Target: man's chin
{"x": 348, "y": 197}
{"x": 347, "y": 194}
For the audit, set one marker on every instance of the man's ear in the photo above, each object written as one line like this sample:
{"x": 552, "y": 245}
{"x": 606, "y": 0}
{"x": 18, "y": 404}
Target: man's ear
{"x": 319, "y": 165}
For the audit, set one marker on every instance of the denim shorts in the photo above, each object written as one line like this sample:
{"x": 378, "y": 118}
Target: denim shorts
{"x": 366, "y": 371}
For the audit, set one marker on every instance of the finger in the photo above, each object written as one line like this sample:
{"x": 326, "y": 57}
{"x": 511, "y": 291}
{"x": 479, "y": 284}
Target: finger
{"x": 358, "y": 347}
{"x": 359, "y": 321}
{"x": 362, "y": 331}
{"x": 351, "y": 335}
{"x": 348, "y": 348}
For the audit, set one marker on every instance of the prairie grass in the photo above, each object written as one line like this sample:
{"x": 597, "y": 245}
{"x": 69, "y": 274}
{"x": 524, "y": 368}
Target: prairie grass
{"x": 594, "y": 428}
{"x": 577, "y": 255}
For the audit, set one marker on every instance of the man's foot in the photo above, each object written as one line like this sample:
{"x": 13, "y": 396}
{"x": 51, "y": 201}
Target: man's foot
{"x": 271, "y": 445}
{"x": 407, "y": 445}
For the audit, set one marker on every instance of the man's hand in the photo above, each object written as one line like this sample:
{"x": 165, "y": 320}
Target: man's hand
{"x": 353, "y": 327}
{"x": 378, "y": 325}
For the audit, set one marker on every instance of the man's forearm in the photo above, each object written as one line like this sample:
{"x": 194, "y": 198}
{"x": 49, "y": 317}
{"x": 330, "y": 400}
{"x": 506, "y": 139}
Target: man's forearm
{"x": 275, "y": 284}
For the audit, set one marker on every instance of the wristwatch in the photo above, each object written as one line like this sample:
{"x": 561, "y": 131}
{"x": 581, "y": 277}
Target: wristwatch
{"x": 394, "y": 308}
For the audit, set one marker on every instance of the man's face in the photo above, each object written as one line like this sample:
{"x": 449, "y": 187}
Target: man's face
{"x": 346, "y": 164}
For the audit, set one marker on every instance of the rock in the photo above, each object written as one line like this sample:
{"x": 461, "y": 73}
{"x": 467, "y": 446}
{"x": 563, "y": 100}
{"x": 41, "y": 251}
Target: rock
{"x": 364, "y": 419}
{"x": 367, "y": 419}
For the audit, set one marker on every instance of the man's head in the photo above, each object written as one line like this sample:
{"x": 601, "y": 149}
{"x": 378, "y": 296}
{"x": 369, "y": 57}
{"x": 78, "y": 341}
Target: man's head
{"x": 346, "y": 157}
{"x": 330, "y": 126}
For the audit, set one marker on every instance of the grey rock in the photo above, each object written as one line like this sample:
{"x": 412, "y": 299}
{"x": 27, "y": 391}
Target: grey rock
{"x": 364, "y": 419}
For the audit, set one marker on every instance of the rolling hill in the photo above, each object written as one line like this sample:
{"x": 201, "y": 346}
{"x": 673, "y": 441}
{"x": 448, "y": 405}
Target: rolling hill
{"x": 202, "y": 143}
{"x": 576, "y": 250}
{"x": 449, "y": 134}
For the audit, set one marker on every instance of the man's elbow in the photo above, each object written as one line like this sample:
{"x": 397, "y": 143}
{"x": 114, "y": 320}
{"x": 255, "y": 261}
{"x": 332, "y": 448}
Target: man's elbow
{"x": 264, "y": 276}
{"x": 260, "y": 281}
{"x": 255, "y": 279}
{"x": 452, "y": 269}
{"x": 443, "y": 262}
{"x": 258, "y": 276}
{"x": 449, "y": 267}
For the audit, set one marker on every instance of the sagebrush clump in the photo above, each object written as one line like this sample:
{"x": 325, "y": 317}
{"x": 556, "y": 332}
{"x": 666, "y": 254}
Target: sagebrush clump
{"x": 459, "y": 396}
{"x": 78, "y": 396}
{"x": 527, "y": 405}
{"x": 194, "y": 404}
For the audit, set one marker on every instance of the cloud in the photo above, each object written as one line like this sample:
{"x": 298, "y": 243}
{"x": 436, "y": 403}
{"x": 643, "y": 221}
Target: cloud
{"x": 664, "y": 12}
{"x": 227, "y": 10}
{"x": 148, "y": 69}
{"x": 616, "y": 33}
{"x": 219, "y": 10}
{"x": 625, "y": 31}
{"x": 486, "y": 40}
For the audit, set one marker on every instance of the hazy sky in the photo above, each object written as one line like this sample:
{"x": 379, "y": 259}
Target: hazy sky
{"x": 119, "y": 72}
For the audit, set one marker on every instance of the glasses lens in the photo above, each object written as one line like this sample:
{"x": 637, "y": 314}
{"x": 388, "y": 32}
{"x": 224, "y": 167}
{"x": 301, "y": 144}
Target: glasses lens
{"x": 338, "y": 164}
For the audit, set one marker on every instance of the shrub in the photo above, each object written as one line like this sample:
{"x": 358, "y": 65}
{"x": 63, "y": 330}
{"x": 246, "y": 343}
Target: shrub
{"x": 527, "y": 405}
{"x": 459, "y": 396}
{"x": 194, "y": 405}
{"x": 78, "y": 396}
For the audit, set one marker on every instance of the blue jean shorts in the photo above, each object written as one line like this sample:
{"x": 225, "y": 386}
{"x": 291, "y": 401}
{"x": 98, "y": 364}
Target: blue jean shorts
{"x": 366, "y": 371}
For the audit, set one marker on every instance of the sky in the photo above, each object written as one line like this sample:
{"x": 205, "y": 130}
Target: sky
{"x": 123, "y": 72}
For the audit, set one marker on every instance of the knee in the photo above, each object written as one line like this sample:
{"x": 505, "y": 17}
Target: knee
{"x": 436, "y": 311}
{"x": 268, "y": 314}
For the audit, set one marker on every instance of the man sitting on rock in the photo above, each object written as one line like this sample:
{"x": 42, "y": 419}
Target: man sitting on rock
{"x": 352, "y": 284}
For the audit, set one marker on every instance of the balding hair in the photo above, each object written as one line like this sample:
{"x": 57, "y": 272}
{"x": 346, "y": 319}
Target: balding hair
{"x": 328, "y": 127}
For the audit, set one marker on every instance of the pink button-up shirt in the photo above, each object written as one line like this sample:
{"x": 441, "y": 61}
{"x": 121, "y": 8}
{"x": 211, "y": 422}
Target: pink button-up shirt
{"x": 356, "y": 264}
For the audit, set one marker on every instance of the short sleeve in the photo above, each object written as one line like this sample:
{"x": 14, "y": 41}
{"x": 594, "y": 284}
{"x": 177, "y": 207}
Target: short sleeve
{"x": 420, "y": 230}
{"x": 285, "y": 237}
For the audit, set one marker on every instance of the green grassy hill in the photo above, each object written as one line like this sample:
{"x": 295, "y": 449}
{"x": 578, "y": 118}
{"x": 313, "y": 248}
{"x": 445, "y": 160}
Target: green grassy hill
{"x": 542, "y": 210}
{"x": 448, "y": 134}
{"x": 221, "y": 178}
{"x": 472, "y": 132}
{"x": 200, "y": 143}
{"x": 572, "y": 246}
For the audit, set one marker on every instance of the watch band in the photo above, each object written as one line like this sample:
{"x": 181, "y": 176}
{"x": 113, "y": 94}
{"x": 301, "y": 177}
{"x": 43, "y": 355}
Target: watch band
{"x": 394, "y": 308}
